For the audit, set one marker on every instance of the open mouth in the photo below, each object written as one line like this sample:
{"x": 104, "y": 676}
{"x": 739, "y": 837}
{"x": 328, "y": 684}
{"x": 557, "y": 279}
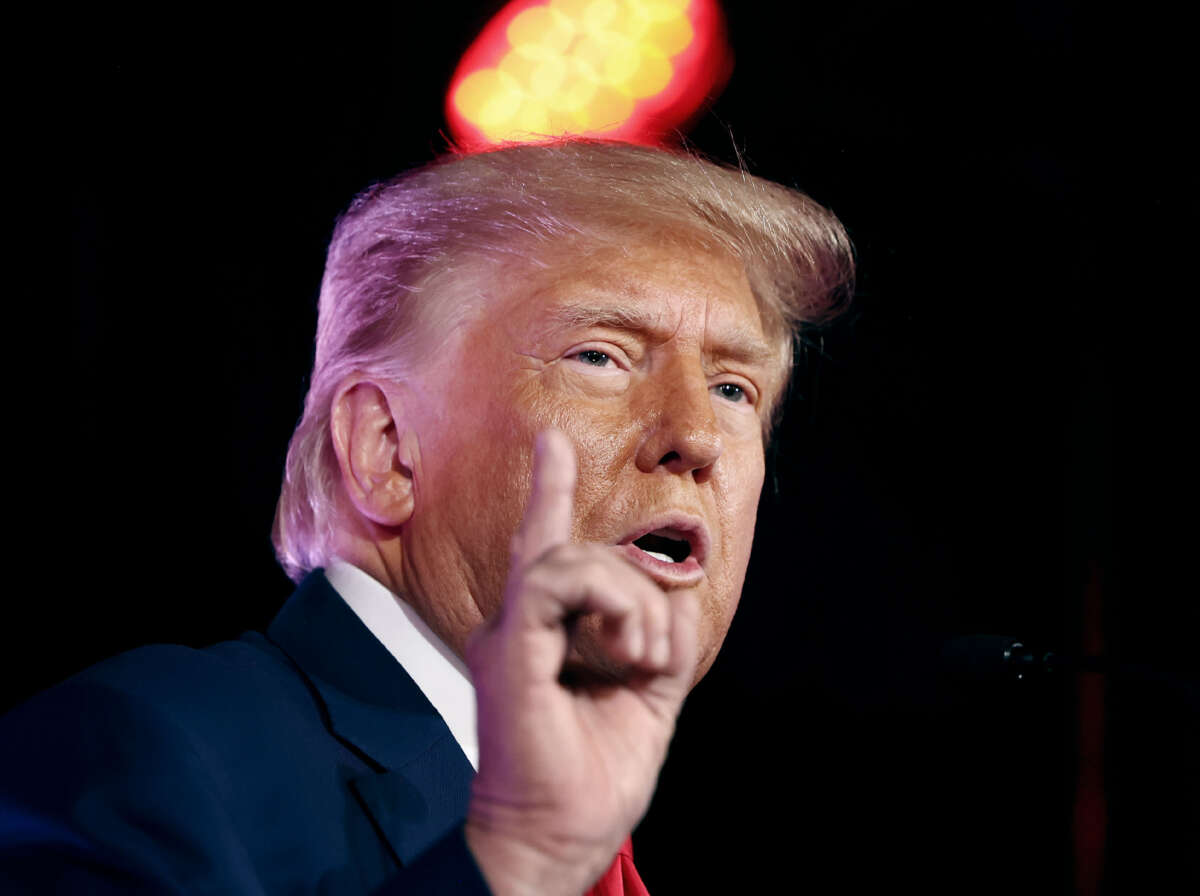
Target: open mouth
{"x": 664, "y": 545}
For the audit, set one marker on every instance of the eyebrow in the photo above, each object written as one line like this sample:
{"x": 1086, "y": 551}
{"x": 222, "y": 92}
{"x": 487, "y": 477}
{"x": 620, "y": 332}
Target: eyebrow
{"x": 736, "y": 344}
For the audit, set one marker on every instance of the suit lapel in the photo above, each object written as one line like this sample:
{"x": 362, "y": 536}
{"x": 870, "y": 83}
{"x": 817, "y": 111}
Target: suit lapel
{"x": 422, "y": 785}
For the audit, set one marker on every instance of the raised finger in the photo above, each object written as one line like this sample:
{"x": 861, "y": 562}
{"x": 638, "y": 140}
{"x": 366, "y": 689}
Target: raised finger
{"x": 547, "y": 520}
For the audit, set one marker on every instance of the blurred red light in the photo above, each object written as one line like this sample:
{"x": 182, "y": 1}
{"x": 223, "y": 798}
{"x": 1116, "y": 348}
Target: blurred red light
{"x": 633, "y": 70}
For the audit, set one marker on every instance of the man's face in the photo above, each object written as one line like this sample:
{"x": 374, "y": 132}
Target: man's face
{"x": 654, "y": 363}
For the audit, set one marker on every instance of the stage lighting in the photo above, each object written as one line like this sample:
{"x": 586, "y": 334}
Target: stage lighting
{"x": 626, "y": 69}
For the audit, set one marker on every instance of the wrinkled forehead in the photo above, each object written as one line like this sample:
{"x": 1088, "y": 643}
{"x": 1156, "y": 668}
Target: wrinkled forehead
{"x": 605, "y": 255}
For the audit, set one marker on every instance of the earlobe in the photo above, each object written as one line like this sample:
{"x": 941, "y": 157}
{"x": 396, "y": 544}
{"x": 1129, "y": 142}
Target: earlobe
{"x": 368, "y": 429}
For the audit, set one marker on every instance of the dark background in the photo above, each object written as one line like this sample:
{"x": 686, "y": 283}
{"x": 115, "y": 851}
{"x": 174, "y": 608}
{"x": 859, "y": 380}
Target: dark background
{"x": 995, "y": 438}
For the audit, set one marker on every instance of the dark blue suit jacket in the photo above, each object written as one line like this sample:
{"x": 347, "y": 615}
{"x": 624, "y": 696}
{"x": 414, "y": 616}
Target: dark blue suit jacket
{"x": 305, "y": 761}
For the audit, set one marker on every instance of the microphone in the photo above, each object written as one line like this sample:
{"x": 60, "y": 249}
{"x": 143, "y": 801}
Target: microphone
{"x": 995, "y": 658}
{"x": 1001, "y": 658}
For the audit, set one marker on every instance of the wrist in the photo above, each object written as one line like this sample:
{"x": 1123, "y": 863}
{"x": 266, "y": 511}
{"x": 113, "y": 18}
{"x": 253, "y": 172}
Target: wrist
{"x": 515, "y": 866}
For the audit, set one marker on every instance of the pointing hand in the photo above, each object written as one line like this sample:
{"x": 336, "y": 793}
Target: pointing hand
{"x": 566, "y": 771}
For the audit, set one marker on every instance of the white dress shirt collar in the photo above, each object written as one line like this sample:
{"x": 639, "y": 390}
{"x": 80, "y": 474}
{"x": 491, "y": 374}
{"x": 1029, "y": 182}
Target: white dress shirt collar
{"x": 437, "y": 670}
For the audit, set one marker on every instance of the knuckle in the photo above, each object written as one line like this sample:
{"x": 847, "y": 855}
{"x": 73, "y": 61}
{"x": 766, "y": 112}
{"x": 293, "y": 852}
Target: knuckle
{"x": 565, "y": 553}
{"x": 552, "y": 561}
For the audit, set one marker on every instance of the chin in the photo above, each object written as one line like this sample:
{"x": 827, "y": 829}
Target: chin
{"x": 702, "y": 667}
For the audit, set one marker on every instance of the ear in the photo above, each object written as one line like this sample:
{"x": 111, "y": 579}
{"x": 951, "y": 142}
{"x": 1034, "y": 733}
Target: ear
{"x": 367, "y": 425}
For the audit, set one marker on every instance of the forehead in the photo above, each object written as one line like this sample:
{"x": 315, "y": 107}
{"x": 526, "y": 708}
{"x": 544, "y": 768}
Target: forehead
{"x": 673, "y": 288}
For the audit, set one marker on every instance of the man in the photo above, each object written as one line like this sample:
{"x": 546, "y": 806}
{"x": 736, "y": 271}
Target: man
{"x": 526, "y": 476}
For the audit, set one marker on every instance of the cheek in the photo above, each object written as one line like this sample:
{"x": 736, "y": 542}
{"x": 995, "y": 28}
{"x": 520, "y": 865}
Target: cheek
{"x": 476, "y": 469}
{"x": 603, "y": 450}
{"x": 605, "y": 438}
{"x": 488, "y": 472}
{"x": 743, "y": 506}
{"x": 737, "y": 508}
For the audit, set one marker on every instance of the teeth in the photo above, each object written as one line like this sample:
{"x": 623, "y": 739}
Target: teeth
{"x": 657, "y": 556}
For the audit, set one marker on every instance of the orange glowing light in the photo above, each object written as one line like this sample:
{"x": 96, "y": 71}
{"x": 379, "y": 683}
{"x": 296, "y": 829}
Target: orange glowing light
{"x": 623, "y": 69}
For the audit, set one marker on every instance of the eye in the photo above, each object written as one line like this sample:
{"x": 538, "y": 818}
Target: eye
{"x": 592, "y": 357}
{"x": 732, "y": 392}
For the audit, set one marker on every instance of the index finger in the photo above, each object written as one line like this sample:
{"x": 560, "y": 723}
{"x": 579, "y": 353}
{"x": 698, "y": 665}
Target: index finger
{"x": 547, "y": 520}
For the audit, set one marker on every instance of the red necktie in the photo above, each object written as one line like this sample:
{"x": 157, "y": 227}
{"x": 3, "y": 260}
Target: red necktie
{"x": 621, "y": 878}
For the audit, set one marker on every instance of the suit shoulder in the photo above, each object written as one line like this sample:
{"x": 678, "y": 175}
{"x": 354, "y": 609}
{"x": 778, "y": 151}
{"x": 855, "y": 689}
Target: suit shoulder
{"x": 216, "y": 698}
{"x": 166, "y": 764}
{"x": 221, "y": 676}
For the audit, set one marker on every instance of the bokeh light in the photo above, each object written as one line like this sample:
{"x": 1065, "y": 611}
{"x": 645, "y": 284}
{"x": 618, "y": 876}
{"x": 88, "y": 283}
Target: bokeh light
{"x": 625, "y": 69}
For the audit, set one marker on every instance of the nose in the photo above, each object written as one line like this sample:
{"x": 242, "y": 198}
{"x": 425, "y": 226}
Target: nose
{"x": 685, "y": 436}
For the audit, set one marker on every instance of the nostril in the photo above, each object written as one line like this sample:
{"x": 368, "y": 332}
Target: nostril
{"x": 669, "y": 458}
